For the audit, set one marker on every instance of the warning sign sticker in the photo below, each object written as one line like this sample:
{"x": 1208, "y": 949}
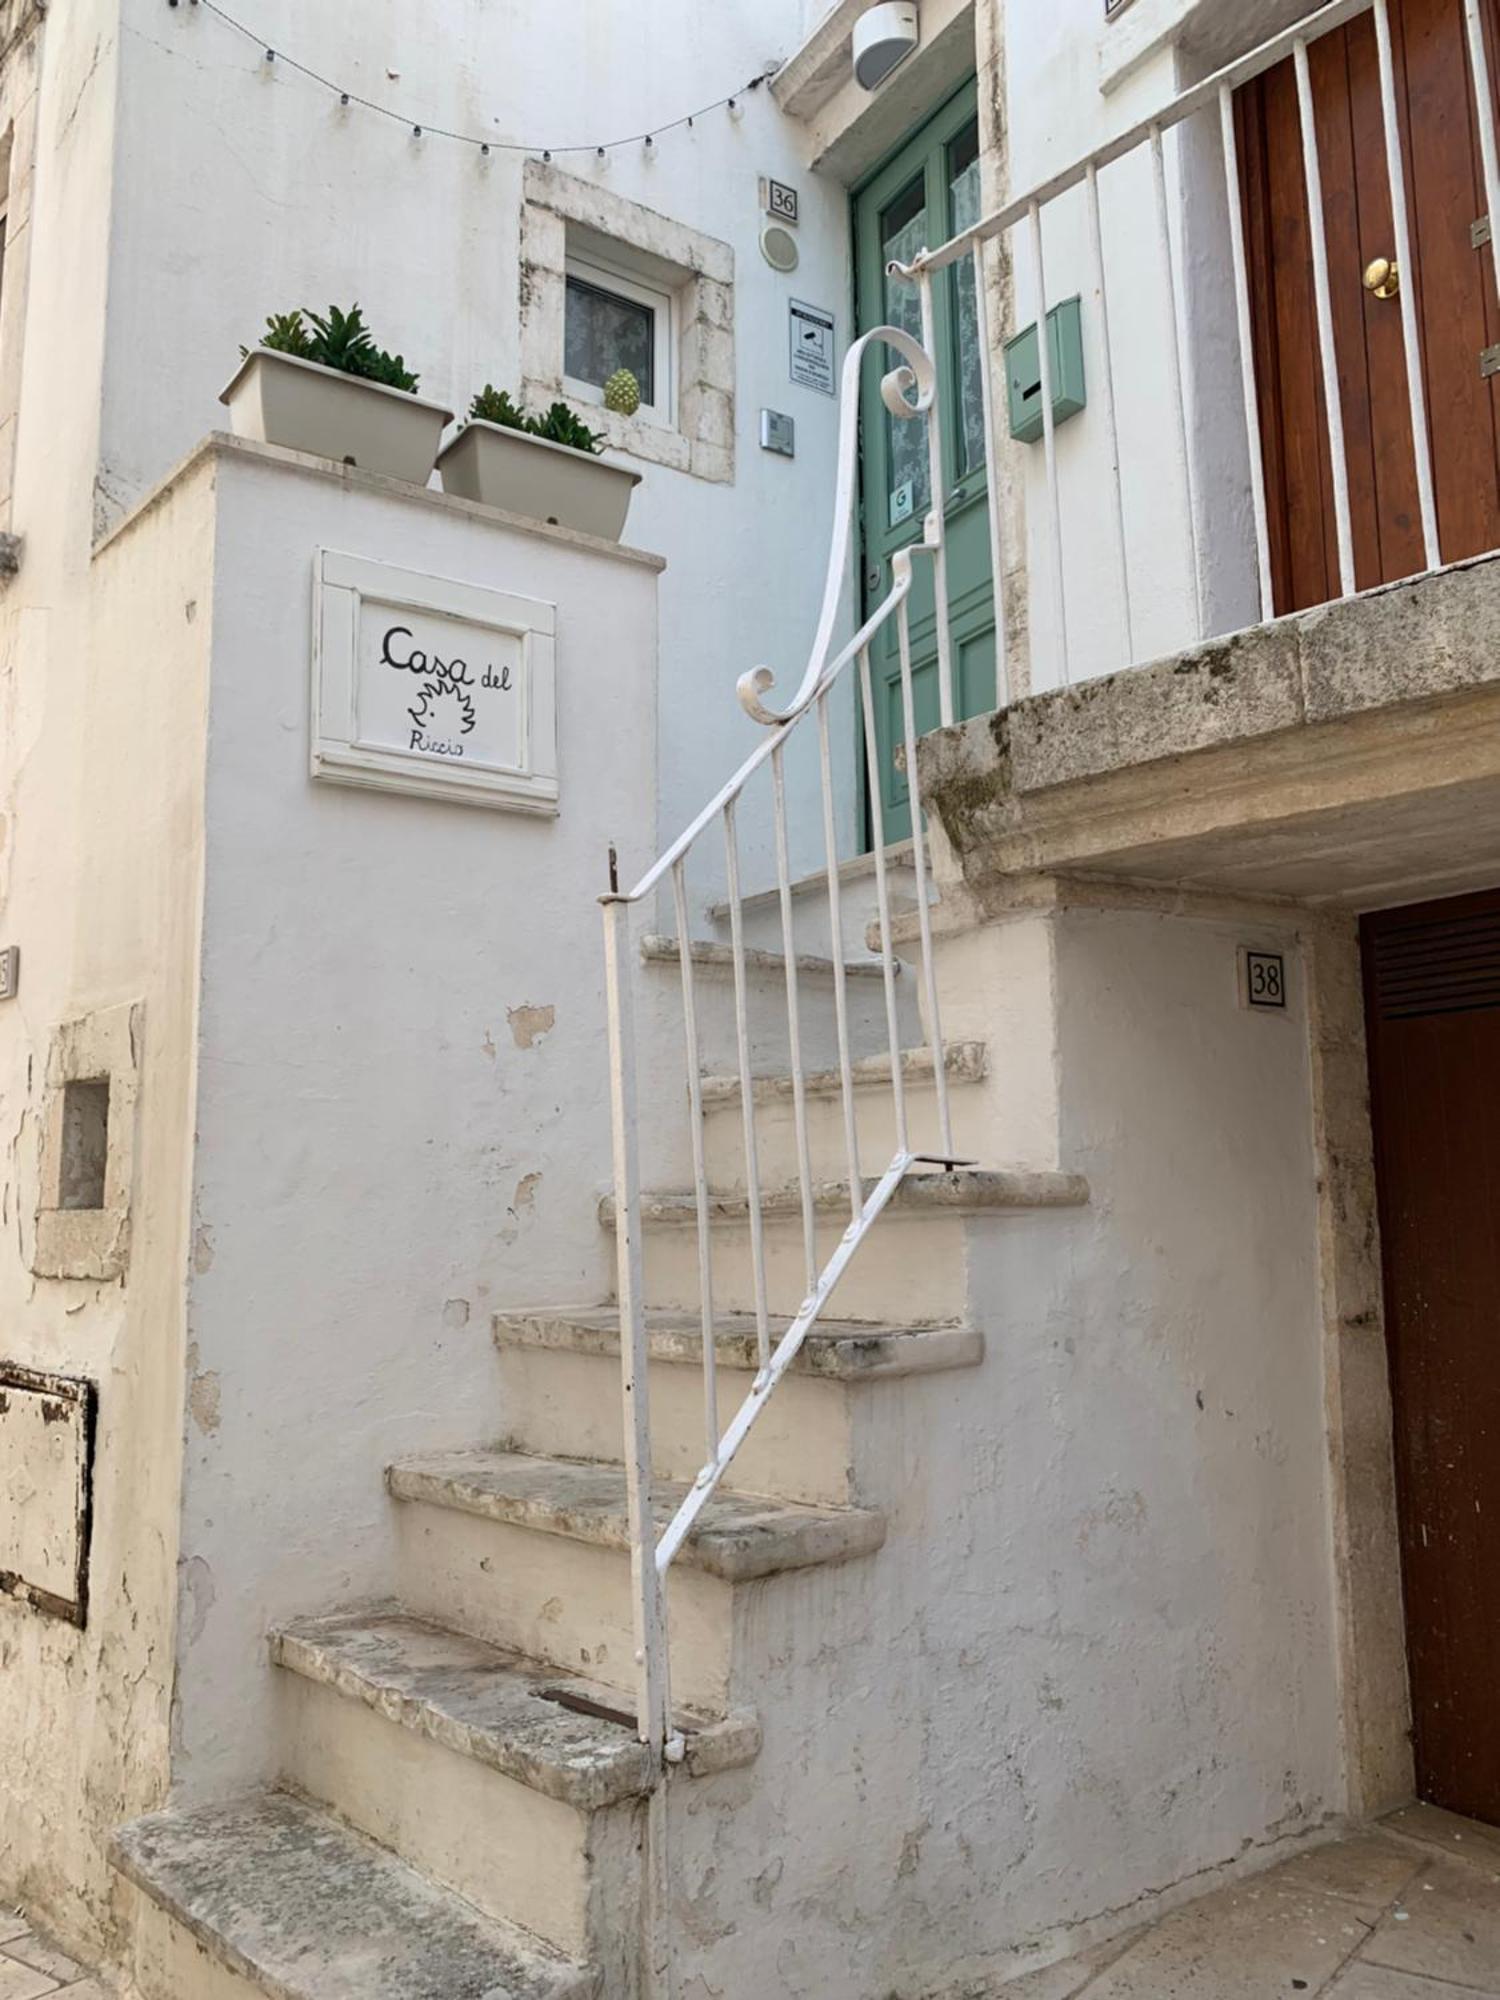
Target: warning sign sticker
{"x": 812, "y": 347}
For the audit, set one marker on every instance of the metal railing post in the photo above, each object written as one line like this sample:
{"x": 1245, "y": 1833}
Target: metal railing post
{"x": 936, "y": 527}
{"x": 653, "y": 1696}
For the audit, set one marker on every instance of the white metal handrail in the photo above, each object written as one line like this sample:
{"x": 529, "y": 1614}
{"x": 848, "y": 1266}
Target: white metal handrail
{"x": 909, "y": 392}
{"x": 1029, "y": 209}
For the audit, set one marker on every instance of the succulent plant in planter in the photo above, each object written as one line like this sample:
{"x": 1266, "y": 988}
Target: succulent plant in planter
{"x": 318, "y": 383}
{"x": 559, "y": 425}
{"x": 341, "y": 341}
{"x": 546, "y": 467}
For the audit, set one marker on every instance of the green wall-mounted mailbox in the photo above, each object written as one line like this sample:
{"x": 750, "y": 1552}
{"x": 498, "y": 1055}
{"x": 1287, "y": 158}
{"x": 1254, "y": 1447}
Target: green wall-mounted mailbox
{"x": 1023, "y": 372}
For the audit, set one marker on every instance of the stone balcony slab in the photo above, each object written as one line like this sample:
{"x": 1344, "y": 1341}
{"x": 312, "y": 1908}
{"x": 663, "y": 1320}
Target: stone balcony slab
{"x": 1347, "y": 754}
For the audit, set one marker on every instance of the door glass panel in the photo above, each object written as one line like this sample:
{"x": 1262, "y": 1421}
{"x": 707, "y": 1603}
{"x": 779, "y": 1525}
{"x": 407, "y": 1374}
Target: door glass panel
{"x": 903, "y": 232}
{"x": 963, "y": 210}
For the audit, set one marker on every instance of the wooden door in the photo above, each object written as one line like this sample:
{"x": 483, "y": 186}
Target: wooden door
{"x": 1432, "y": 975}
{"x": 1453, "y": 283}
{"x": 925, "y": 193}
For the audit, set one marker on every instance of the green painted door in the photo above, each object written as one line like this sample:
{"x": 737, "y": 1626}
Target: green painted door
{"x": 920, "y": 197}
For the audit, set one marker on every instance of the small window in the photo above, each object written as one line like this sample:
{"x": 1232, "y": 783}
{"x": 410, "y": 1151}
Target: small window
{"x": 613, "y": 322}
{"x": 85, "y": 1143}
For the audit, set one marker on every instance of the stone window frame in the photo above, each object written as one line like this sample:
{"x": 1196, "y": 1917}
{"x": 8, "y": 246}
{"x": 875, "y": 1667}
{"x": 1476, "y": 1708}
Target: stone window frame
{"x": 563, "y": 217}
{"x": 89, "y": 1242}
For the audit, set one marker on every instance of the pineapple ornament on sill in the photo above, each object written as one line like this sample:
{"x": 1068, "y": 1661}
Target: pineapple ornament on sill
{"x": 622, "y": 393}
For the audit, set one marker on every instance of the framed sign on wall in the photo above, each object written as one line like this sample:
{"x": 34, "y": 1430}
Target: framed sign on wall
{"x": 433, "y": 687}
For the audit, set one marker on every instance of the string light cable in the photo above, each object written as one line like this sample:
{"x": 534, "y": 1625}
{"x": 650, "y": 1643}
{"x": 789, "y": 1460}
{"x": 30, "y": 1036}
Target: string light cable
{"x": 420, "y": 130}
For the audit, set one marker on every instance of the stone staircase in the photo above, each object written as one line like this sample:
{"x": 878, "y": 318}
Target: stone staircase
{"x": 461, "y": 1802}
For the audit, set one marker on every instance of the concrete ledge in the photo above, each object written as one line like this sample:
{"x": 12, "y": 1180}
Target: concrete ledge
{"x": 218, "y": 446}
{"x": 1300, "y": 734}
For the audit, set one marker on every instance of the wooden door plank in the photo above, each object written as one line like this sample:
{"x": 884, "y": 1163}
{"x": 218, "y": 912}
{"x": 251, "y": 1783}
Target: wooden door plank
{"x": 1330, "y": 66}
{"x": 1447, "y": 196}
{"x": 1435, "y": 1080}
{"x": 1395, "y": 508}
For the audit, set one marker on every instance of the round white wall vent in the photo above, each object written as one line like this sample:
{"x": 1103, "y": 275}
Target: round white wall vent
{"x": 884, "y": 37}
{"x": 779, "y": 247}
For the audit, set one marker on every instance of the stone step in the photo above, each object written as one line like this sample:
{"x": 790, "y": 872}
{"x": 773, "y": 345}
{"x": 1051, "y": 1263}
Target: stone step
{"x": 520, "y": 1718}
{"x": 874, "y": 1113}
{"x": 766, "y": 1005}
{"x": 912, "y": 1265}
{"x": 708, "y": 955}
{"x": 811, "y": 917}
{"x": 268, "y": 1895}
{"x": 500, "y": 1778}
{"x": 966, "y": 1062}
{"x": 965, "y": 1191}
{"x": 561, "y": 1380}
{"x": 837, "y": 1350}
{"x": 532, "y": 1554}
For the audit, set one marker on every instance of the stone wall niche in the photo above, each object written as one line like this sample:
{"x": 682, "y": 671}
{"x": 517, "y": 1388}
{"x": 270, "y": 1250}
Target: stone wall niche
{"x": 87, "y": 1160}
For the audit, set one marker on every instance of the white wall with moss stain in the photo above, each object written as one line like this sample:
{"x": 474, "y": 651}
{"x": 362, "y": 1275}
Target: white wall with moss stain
{"x": 101, "y": 756}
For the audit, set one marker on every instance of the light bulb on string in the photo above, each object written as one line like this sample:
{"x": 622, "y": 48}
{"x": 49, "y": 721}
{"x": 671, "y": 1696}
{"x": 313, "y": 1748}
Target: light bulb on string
{"x": 348, "y": 99}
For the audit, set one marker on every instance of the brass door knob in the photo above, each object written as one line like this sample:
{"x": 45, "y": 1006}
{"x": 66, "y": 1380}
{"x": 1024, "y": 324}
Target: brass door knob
{"x": 1383, "y": 277}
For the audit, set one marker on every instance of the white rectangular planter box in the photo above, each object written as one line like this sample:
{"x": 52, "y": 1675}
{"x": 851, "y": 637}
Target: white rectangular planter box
{"x": 544, "y": 481}
{"x": 282, "y": 399}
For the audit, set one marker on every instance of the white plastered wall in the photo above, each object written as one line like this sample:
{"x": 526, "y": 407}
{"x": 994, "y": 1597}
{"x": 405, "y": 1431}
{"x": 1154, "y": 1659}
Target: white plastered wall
{"x": 101, "y": 738}
{"x": 402, "y": 1117}
{"x": 242, "y": 188}
{"x": 1094, "y": 1669}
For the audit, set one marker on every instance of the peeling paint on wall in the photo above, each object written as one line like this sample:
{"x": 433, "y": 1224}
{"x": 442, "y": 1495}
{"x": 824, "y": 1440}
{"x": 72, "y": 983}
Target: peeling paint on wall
{"x": 529, "y": 1023}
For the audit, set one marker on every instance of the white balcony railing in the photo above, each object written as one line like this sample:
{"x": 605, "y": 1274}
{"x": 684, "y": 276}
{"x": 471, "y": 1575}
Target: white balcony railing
{"x": 1028, "y": 213}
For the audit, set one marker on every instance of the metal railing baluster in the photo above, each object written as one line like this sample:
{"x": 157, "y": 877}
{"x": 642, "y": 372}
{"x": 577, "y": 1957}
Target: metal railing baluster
{"x": 1107, "y": 398}
{"x": 1333, "y": 401}
{"x": 882, "y": 892}
{"x": 700, "y": 1170}
{"x": 919, "y": 869}
{"x": 653, "y": 1703}
{"x": 1049, "y": 438}
{"x": 992, "y": 475}
{"x": 1176, "y": 367}
{"x": 1416, "y": 389}
{"x": 1231, "y": 153}
{"x": 794, "y": 1017}
{"x": 1484, "y": 110}
{"x": 747, "y": 1088}
{"x": 840, "y": 983}
{"x": 937, "y": 507}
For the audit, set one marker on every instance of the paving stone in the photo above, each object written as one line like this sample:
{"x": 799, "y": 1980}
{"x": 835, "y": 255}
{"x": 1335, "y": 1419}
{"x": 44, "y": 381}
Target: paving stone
{"x": 12, "y": 1924}
{"x": 1065, "y": 1982}
{"x": 1251, "y": 1942}
{"x": 23, "y": 1982}
{"x": 1369, "y": 1871}
{"x": 40, "y": 1953}
{"x": 1374, "y": 1982}
{"x": 1465, "y": 1839}
{"x": 1447, "y": 1927}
